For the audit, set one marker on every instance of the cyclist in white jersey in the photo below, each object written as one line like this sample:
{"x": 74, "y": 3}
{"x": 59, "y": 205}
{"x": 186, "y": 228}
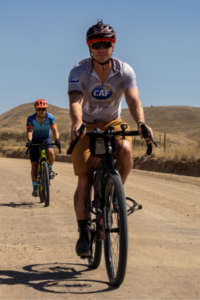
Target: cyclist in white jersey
{"x": 96, "y": 87}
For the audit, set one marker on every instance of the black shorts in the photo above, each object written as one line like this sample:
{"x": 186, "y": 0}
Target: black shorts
{"x": 34, "y": 151}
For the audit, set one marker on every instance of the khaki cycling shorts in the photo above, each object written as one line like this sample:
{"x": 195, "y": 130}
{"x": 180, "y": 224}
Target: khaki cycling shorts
{"x": 81, "y": 157}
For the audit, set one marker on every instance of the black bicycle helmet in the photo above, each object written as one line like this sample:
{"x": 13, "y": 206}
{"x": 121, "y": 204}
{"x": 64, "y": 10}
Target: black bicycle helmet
{"x": 100, "y": 32}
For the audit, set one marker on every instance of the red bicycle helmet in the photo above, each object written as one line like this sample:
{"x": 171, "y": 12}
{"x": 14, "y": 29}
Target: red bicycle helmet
{"x": 40, "y": 103}
{"x": 100, "y": 32}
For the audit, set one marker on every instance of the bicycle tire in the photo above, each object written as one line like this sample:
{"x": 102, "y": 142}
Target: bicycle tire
{"x": 95, "y": 261}
{"x": 41, "y": 195}
{"x": 46, "y": 190}
{"x": 39, "y": 185}
{"x": 116, "y": 262}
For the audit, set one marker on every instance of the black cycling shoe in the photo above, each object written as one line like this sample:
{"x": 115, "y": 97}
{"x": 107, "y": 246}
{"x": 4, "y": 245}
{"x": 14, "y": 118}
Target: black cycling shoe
{"x": 83, "y": 246}
{"x": 35, "y": 193}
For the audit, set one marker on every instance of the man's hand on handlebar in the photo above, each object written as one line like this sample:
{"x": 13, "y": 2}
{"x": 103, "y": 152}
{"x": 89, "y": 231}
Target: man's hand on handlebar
{"x": 145, "y": 135}
{"x": 75, "y": 132}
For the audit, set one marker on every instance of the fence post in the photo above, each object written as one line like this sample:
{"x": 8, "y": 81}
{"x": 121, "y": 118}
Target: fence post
{"x": 160, "y": 139}
{"x": 164, "y": 141}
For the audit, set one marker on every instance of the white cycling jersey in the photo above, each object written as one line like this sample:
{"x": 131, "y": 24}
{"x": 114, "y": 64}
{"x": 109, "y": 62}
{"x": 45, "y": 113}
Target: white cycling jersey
{"x": 102, "y": 103}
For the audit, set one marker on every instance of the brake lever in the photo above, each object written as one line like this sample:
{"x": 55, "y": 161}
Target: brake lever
{"x": 146, "y": 134}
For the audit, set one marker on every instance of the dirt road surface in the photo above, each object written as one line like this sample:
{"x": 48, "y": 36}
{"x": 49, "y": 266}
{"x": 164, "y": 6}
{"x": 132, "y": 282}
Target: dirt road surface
{"x": 37, "y": 244}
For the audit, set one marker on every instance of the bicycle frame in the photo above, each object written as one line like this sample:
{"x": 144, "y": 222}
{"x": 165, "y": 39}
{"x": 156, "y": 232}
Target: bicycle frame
{"x": 41, "y": 161}
{"x": 110, "y": 202}
{"x": 106, "y": 164}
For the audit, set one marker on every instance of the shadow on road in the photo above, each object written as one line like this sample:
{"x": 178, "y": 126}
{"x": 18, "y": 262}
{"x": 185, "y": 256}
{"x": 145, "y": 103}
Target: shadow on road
{"x": 14, "y": 205}
{"x": 56, "y": 278}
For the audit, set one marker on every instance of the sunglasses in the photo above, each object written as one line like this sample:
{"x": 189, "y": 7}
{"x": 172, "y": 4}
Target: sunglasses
{"x": 105, "y": 44}
{"x": 41, "y": 109}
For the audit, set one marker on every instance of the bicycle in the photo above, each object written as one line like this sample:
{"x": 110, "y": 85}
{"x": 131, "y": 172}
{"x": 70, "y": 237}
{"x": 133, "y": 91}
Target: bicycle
{"x": 43, "y": 172}
{"x": 109, "y": 205}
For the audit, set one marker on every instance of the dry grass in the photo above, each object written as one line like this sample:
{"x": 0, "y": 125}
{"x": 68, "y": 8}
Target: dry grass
{"x": 171, "y": 152}
{"x": 181, "y": 123}
{"x": 12, "y": 144}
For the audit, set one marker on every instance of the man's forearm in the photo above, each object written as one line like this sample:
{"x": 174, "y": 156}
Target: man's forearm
{"x": 76, "y": 112}
{"x": 76, "y": 102}
{"x": 137, "y": 111}
{"x": 135, "y": 105}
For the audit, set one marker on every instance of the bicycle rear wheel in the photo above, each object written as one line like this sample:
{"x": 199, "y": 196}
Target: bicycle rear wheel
{"x": 116, "y": 233}
{"x": 96, "y": 242}
{"x": 95, "y": 260}
{"x": 46, "y": 190}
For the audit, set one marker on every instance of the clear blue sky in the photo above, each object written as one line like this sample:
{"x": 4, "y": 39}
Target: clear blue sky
{"x": 41, "y": 40}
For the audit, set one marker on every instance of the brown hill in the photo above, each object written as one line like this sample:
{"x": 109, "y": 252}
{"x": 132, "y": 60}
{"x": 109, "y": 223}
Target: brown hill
{"x": 181, "y": 123}
{"x": 15, "y": 119}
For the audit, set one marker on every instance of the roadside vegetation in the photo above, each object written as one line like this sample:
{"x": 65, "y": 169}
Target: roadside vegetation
{"x": 172, "y": 151}
{"x": 17, "y": 141}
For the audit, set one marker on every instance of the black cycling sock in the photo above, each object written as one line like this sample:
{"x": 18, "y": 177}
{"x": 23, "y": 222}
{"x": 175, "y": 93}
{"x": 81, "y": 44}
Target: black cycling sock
{"x": 82, "y": 225}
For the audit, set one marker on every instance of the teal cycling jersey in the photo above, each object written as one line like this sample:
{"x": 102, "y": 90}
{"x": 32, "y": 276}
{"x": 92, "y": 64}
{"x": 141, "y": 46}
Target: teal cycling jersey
{"x": 41, "y": 132}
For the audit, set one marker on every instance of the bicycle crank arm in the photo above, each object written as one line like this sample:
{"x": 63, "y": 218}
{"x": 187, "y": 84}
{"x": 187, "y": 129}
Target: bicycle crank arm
{"x": 97, "y": 213}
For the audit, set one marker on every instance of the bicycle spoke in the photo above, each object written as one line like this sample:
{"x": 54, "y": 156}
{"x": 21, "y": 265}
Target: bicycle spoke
{"x": 114, "y": 238}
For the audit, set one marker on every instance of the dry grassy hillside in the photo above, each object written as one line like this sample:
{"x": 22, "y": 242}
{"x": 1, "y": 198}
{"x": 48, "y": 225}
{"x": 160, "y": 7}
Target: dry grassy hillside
{"x": 181, "y": 123}
{"x": 15, "y": 119}
{"x": 176, "y": 121}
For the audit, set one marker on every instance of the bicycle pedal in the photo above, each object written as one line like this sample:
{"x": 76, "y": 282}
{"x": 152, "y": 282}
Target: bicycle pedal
{"x": 138, "y": 207}
{"x": 134, "y": 207}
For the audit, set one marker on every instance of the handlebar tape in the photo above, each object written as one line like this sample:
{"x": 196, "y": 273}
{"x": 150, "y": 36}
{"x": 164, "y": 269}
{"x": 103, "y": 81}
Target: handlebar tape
{"x": 75, "y": 141}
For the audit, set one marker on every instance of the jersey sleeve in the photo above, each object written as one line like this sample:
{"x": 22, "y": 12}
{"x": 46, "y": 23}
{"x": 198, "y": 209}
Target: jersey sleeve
{"x": 52, "y": 121}
{"x": 129, "y": 78}
{"x": 29, "y": 122}
{"x": 74, "y": 81}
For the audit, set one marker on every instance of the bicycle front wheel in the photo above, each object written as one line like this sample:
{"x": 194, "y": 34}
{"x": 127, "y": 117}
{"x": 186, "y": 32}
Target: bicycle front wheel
{"x": 41, "y": 195}
{"x": 116, "y": 233}
{"x": 46, "y": 190}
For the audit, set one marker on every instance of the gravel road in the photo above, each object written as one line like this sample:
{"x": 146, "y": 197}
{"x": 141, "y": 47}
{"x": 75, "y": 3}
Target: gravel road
{"x": 37, "y": 244}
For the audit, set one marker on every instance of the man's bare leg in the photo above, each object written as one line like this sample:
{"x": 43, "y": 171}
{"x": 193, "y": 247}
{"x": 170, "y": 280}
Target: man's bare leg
{"x": 82, "y": 196}
{"x": 124, "y": 157}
